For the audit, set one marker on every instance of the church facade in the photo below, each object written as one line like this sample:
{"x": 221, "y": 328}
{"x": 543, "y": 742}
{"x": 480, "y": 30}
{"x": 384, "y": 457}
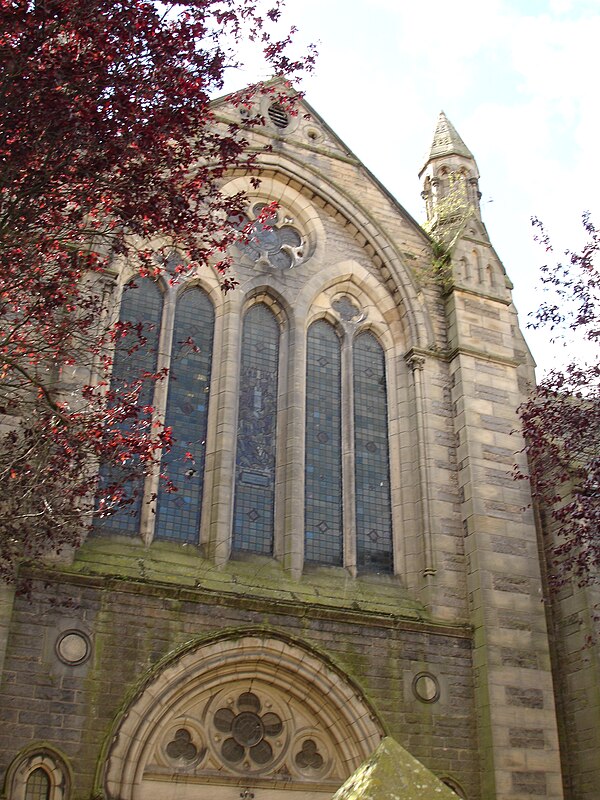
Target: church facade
{"x": 347, "y": 555}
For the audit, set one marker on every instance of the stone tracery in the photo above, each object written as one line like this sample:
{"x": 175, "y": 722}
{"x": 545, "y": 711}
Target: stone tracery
{"x": 273, "y": 241}
{"x": 254, "y": 708}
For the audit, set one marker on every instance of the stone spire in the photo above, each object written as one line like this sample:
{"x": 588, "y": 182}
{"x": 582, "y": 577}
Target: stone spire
{"x": 450, "y": 174}
{"x": 446, "y": 141}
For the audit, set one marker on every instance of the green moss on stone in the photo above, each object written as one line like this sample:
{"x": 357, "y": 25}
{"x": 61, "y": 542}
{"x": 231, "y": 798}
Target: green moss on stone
{"x": 391, "y": 773}
{"x": 170, "y": 563}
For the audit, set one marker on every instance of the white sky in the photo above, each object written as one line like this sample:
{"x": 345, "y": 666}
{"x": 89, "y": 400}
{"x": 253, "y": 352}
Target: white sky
{"x": 518, "y": 79}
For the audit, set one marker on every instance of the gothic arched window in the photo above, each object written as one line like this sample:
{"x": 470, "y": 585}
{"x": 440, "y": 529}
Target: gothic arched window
{"x": 38, "y": 775}
{"x": 179, "y": 500}
{"x": 359, "y": 494}
{"x": 254, "y": 507}
{"x": 178, "y": 512}
{"x": 371, "y": 456}
{"x": 323, "y": 523}
{"x": 38, "y": 785}
{"x": 135, "y": 353}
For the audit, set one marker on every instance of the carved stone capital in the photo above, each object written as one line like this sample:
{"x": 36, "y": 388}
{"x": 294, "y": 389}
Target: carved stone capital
{"x": 415, "y": 361}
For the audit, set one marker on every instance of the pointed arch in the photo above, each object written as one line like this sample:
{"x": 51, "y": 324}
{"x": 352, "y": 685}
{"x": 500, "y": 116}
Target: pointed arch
{"x": 289, "y": 175}
{"x": 38, "y": 773}
{"x": 374, "y": 539}
{"x": 179, "y": 510}
{"x": 178, "y": 724}
{"x": 254, "y": 502}
{"x": 350, "y": 278}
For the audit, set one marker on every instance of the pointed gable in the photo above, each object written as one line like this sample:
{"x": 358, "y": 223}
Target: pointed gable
{"x": 391, "y": 773}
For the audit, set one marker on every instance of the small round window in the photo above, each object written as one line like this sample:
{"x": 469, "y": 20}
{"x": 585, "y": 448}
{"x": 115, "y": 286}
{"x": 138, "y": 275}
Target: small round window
{"x": 278, "y": 116}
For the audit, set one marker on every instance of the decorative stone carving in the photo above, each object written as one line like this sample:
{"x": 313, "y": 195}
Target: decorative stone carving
{"x": 272, "y": 242}
{"x": 415, "y": 362}
{"x": 251, "y": 731}
{"x": 250, "y": 708}
{"x": 426, "y": 687}
{"x": 347, "y": 310}
{"x": 181, "y": 748}
{"x": 73, "y": 647}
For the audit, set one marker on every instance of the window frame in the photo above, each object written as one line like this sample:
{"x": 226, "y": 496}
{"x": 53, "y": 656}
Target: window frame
{"x": 215, "y": 534}
{"x": 170, "y": 294}
{"x": 347, "y": 334}
{"x": 39, "y": 757}
{"x": 279, "y": 432}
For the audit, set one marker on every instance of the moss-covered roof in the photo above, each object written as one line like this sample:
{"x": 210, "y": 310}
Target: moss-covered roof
{"x": 391, "y": 773}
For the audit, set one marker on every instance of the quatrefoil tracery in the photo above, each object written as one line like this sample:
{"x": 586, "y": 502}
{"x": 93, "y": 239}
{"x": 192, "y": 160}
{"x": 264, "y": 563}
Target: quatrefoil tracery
{"x": 248, "y": 729}
{"x": 271, "y": 243}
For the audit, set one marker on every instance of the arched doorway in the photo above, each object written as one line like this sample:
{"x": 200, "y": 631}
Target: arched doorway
{"x": 248, "y": 716}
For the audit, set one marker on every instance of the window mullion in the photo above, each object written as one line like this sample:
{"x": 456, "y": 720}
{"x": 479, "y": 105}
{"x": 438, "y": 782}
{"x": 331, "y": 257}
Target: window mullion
{"x": 159, "y": 402}
{"x": 348, "y": 482}
{"x": 291, "y": 444}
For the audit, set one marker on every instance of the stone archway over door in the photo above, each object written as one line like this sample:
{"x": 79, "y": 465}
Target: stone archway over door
{"x": 255, "y": 714}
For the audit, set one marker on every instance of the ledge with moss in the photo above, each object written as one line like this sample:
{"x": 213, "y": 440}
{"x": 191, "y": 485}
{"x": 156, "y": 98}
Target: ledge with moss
{"x": 251, "y": 581}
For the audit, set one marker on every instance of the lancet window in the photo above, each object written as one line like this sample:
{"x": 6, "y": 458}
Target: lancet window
{"x": 38, "y": 775}
{"x": 327, "y": 489}
{"x": 323, "y": 521}
{"x": 136, "y": 353}
{"x": 178, "y": 512}
{"x": 38, "y": 785}
{"x": 371, "y": 456}
{"x": 347, "y": 518}
{"x": 254, "y": 509}
{"x": 179, "y": 503}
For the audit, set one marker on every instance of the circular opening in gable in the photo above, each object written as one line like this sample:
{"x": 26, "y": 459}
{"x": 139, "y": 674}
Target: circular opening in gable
{"x": 278, "y": 116}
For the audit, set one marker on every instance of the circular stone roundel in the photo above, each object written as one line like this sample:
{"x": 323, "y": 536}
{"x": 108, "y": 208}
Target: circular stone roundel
{"x": 255, "y": 707}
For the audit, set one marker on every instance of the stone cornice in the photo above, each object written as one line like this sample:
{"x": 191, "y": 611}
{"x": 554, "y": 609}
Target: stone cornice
{"x": 250, "y": 603}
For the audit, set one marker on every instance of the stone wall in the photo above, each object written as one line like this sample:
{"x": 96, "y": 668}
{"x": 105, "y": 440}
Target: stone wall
{"x": 132, "y": 625}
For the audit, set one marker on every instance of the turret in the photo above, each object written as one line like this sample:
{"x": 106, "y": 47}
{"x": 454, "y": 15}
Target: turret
{"x": 450, "y": 177}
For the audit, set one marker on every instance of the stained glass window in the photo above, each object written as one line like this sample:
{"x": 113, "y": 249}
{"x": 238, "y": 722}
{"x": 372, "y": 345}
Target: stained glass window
{"x": 38, "y": 785}
{"x": 323, "y": 533}
{"x": 371, "y": 449}
{"x": 254, "y": 506}
{"x": 178, "y": 512}
{"x": 135, "y": 354}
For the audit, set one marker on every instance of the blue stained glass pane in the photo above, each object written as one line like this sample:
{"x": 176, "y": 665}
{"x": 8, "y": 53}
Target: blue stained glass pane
{"x": 135, "y": 354}
{"x": 323, "y": 537}
{"x": 372, "y": 474}
{"x": 178, "y": 513}
{"x": 253, "y": 516}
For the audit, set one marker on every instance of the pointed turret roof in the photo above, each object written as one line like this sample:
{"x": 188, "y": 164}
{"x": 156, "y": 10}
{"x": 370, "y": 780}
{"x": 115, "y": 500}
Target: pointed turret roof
{"x": 446, "y": 140}
{"x": 391, "y": 772}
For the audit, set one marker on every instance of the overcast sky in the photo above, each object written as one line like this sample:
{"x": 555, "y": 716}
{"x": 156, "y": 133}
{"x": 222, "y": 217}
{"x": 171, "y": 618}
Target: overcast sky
{"x": 517, "y": 78}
